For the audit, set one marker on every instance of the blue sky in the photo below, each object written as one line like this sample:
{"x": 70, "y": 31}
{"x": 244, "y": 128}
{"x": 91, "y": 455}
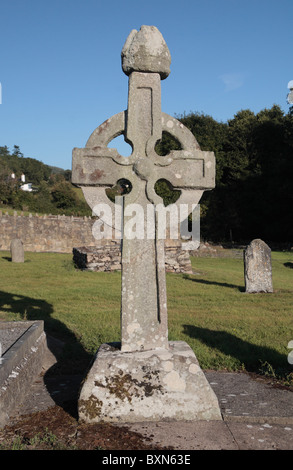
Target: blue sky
{"x": 61, "y": 76}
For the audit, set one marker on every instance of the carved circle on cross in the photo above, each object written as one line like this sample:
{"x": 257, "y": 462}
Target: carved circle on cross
{"x": 148, "y": 168}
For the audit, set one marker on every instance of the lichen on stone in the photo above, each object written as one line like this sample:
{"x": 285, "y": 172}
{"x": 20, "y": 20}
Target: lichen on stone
{"x": 91, "y": 408}
{"x": 125, "y": 387}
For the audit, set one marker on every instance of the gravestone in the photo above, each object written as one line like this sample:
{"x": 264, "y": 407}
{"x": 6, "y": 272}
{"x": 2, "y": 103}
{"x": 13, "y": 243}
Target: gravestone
{"x": 145, "y": 376}
{"x": 17, "y": 251}
{"x": 258, "y": 267}
{"x": 24, "y": 348}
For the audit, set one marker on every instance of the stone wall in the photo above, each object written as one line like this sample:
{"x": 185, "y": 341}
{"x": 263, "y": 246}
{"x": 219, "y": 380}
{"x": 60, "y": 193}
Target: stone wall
{"x": 46, "y": 233}
{"x": 62, "y": 234}
{"x": 108, "y": 258}
{"x": 100, "y": 258}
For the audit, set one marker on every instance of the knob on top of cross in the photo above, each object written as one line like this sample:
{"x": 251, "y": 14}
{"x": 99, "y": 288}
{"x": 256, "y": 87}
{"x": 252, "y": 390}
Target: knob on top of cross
{"x": 146, "y": 51}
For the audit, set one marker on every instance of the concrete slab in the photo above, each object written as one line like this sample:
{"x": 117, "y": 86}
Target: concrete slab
{"x": 243, "y": 398}
{"x": 262, "y": 436}
{"x": 217, "y": 435}
{"x": 191, "y": 435}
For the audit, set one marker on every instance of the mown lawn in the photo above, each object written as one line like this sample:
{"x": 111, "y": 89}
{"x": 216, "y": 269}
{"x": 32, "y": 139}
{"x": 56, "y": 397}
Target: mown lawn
{"x": 227, "y": 328}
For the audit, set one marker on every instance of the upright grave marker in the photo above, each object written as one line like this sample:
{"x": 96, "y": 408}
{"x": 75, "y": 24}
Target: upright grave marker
{"x": 258, "y": 267}
{"x": 17, "y": 251}
{"x": 146, "y": 377}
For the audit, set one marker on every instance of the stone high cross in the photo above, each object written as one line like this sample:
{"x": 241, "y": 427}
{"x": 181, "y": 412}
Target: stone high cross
{"x": 146, "y": 60}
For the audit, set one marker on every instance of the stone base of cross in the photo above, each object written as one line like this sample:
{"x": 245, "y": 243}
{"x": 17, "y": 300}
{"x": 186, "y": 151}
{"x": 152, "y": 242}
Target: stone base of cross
{"x": 145, "y": 377}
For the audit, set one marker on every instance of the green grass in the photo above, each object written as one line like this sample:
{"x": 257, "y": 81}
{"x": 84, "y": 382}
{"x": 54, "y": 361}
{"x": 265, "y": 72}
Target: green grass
{"x": 10, "y": 211}
{"x": 227, "y": 328}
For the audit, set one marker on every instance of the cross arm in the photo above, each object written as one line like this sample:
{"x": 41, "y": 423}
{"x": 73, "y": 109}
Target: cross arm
{"x": 96, "y": 167}
{"x": 194, "y": 170}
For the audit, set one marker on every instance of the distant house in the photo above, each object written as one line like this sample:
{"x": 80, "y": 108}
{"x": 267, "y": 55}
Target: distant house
{"x": 26, "y": 187}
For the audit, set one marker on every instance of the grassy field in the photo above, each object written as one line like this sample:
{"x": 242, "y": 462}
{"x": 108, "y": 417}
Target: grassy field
{"x": 227, "y": 328}
{"x": 10, "y": 211}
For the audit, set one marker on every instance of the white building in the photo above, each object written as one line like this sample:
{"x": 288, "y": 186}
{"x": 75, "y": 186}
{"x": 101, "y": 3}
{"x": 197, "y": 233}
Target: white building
{"x": 26, "y": 187}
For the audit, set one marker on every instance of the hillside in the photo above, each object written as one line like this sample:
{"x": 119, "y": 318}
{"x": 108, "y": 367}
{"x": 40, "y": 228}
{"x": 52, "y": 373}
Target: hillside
{"x": 28, "y": 184}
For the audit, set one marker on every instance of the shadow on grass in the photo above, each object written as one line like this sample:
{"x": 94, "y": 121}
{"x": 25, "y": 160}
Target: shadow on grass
{"x": 288, "y": 265}
{"x": 71, "y": 357}
{"x": 250, "y": 355}
{"x": 213, "y": 283}
{"x": 8, "y": 258}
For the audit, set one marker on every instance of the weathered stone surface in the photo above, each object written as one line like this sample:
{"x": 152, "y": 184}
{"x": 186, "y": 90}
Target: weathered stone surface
{"x": 107, "y": 257}
{"x": 98, "y": 258}
{"x": 49, "y": 233}
{"x": 146, "y": 51}
{"x": 96, "y": 167}
{"x": 17, "y": 251}
{"x": 154, "y": 385}
{"x": 258, "y": 267}
{"x": 146, "y": 377}
{"x": 20, "y": 364}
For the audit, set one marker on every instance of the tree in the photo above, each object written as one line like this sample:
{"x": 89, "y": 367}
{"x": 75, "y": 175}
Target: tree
{"x": 64, "y": 196}
{"x": 211, "y": 136}
{"x": 34, "y": 170}
{"x": 254, "y": 173}
{"x": 7, "y": 183}
{"x": 17, "y": 152}
{"x": 67, "y": 175}
{"x": 4, "y": 152}
{"x": 43, "y": 202}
